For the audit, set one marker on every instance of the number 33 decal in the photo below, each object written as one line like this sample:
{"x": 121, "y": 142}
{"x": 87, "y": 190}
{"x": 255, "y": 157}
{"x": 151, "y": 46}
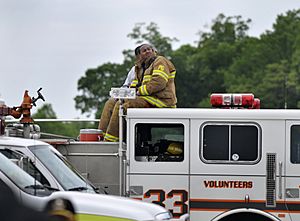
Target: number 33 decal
{"x": 161, "y": 197}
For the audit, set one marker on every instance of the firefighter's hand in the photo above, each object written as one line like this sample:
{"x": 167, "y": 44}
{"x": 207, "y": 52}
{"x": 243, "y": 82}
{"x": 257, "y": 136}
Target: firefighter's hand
{"x": 138, "y": 92}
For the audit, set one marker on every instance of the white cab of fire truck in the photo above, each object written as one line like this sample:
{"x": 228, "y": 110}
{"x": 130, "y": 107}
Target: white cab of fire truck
{"x": 87, "y": 206}
{"x": 216, "y": 164}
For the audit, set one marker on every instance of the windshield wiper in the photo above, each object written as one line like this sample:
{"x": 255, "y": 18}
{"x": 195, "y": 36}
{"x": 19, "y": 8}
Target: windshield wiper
{"x": 33, "y": 186}
{"x": 79, "y": 188}
{"x": 50, "y": 188}
{"x": 40, "y": 187}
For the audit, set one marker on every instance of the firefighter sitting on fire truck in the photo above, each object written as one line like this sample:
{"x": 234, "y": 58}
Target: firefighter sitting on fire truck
{"x": 155, "y": 86}
{"x": 110, "y": 103}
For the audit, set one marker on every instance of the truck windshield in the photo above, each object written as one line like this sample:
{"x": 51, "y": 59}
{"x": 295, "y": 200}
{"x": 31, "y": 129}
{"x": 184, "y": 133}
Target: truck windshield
{"x": 20, "y": 178}
{"x": 61, "y": 169}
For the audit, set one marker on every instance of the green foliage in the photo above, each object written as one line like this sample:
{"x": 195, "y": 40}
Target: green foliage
{"x": 150, "y": 34}
{"x": 274, "y": 82}
{"x": 215, "y": 53}
{"x": 185, "y": 76}
{"x": 46, "y": 112}
{"x": 96, "y": 84}
{"x": 68, "y": 129}
{"x": 225, "y": 29}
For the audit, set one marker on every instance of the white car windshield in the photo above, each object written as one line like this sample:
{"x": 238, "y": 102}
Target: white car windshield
{"x": 61, "y": 169}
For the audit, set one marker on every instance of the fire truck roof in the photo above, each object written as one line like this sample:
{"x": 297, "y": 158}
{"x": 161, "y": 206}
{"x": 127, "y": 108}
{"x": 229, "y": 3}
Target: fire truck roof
{"x": 214, "y": 113}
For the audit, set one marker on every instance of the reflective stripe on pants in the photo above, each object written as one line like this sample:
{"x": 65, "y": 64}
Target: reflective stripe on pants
{"x": 113, "y": 126}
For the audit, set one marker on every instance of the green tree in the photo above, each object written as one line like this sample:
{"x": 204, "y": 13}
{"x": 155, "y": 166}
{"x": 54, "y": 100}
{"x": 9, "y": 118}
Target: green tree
{"x": 46, "y": 112}
{"x": 274, "y": 82}
{"x": 95, "y": 86}
{"x": 215, "y": 53}
{"x": 185, "y": 76}
{"x": 246, "y": 69}
{"x": 67, "y": 129}
{"x": 150, "y": 34}
{"x": 269, "y": 63}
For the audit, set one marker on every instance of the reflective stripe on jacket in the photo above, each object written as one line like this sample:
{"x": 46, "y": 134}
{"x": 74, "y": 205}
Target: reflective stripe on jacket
{"x": 158, "y": 86}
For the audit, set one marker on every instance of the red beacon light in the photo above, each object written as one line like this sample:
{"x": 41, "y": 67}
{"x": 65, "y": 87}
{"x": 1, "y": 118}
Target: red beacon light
{"x": 234, "y": 101}
{"x": 256, "y": 104}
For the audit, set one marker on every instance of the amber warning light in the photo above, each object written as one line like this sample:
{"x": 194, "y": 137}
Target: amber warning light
{"x": 234, "y": 101}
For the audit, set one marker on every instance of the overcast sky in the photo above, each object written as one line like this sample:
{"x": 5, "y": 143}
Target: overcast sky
{"x": 51, "y": 43}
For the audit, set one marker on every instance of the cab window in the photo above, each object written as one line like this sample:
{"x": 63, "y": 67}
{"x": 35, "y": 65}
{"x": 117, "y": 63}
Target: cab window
{"x": 295, "y": 144}
{"x": 159, "y": 142}
{"x": 230, "y": 143}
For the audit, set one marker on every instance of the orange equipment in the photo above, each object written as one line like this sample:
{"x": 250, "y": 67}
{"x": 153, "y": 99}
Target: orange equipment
{"x": 22, "y": 110}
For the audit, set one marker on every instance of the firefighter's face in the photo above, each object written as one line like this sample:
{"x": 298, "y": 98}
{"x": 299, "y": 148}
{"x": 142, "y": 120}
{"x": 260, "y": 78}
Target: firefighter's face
{"x": 146, "y": 51}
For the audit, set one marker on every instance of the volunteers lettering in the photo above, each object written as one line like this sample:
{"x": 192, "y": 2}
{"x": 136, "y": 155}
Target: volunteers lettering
{"x": 228, "y": 184}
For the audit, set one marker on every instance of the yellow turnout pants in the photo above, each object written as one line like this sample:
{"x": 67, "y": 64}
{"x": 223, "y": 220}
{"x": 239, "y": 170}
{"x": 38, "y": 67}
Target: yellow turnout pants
{"x": 109, "y": 122}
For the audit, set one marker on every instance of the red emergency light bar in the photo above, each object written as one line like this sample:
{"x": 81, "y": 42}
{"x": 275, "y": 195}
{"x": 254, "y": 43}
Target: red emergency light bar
{"x": 234, "y": 101}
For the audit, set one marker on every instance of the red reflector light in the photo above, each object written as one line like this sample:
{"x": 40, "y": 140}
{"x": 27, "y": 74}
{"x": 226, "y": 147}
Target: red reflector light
{"x": 256, "y": 104}
{"x": 247, "y": 100}
{"x": 216, "y": 100}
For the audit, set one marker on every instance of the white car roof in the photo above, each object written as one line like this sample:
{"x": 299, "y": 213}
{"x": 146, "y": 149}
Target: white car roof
{"x": 22, "y": 142}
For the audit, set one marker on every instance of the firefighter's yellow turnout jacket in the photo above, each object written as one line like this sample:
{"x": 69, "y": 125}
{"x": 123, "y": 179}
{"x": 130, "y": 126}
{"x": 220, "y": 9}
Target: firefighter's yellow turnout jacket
{"x": 157, "y": 84}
